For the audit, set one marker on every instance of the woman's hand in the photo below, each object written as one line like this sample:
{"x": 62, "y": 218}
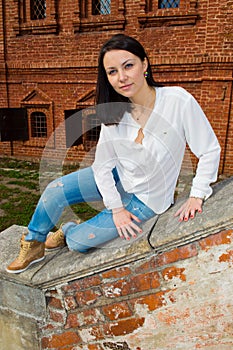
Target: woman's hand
{"x": 125, "y": 226}
{"x": 188, "y": 209}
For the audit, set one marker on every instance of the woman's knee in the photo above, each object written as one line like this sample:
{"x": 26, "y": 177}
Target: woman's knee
{"x": 76, "y": 245}
{"x": 53, "y": 190}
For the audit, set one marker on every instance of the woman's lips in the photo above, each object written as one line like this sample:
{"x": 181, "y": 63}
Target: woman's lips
{"x": 126, "y": 87}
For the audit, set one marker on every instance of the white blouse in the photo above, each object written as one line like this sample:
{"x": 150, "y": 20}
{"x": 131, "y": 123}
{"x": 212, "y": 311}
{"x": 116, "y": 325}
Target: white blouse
{"x": 150, "y": 170}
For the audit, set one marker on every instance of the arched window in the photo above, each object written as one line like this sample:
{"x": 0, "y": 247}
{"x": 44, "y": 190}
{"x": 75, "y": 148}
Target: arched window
{"x": 38, "y": 124}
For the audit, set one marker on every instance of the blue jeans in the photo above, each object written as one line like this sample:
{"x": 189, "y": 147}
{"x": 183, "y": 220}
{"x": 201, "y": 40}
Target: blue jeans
{"x": 75, "y": 188}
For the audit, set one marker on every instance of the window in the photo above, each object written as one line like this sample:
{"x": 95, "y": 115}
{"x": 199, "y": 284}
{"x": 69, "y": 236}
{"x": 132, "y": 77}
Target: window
{"x": 38, "y": 124}
{"x": 96, "y": 15}
{"x": 41, "y": 120}
{"x": 165, "y": 4}
{"x": 102, "y": 7}
{"x": 91, "y": 128}
{"x": 38, "y": 9}
{"x": 36, "y": 17}
{"x": 157, "y": 13}
{"x": 82, "y": 128}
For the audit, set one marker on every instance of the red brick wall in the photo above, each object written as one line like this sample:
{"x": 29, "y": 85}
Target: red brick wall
{"x": 62, "y": 65}
{"x": 147, "y": 303}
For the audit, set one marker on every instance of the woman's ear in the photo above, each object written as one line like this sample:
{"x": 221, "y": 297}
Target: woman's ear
{"x": 145, "y": 64}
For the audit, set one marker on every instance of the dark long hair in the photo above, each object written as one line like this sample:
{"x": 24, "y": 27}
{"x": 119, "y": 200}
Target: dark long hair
{"x": 105, "y": 94}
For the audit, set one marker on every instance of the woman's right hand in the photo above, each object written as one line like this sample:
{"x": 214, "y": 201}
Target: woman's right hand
{"x": 126, "y": 228}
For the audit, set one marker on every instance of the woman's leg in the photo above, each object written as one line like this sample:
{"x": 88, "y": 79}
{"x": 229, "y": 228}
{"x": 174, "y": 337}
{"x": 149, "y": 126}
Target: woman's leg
{"x": 73, "y": 188}
{"x": 101, "y": 228}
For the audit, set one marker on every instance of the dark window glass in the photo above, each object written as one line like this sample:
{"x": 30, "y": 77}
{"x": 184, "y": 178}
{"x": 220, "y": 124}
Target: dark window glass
{"x": 165, "y": 4}
{"x": 101, "y": 7}
{"x": 38, "y": 9}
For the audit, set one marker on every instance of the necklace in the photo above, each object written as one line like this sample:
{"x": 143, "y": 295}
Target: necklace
{"x": 141, "y": 113}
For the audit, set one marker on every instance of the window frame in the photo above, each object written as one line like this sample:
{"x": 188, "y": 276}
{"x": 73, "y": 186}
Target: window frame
{"x": 26, "y": 25}
{"x": 152, "y": 16}
{"x": 86, "y": 22}
{"x": 38, "y": 101}
{"x": 80, "y": 124}
{"x": 36, "y": 114}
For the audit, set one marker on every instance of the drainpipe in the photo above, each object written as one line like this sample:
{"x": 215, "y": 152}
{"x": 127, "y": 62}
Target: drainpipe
{"x": 5, "y": 51}
{"x": 5, "y": 62}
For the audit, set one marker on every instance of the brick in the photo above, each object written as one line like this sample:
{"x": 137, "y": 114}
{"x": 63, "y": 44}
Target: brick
{"x": 88, "y": 297}
{"x": 117, "y": 345}
{"x": 56, "y": 316}
{"x": 144, "y": 281}
{"x": 117, "y": 273}
{"x": 181, "y": 253}
{"x": 71, "y": 287}
{"x": 72, "y": 321}
{"x": 173, "y": 271}
{"x": 90, "y": 316}
{"x": 95, "y": 347}
{"x": 90, "y": 282}
{"x": 122, "y": 327}
{"x": 56, "y": 303}
{"x": 151, "y": 301}
{"x": 226, "y": 257}
{"x": 116, "y": 289}
{"x": 95, "y": 333}
{"x": 117, "y": 310}
{"x": 82, "y": 284}
{"x": 142, "y": 267}
{"x": 70, "y": 302}
{"x": 58, "y": 341}
{"x": 223, "y": 237}
{"x": 72, "y": 347}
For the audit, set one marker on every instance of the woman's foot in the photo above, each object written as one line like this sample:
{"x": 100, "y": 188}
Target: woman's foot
{"x": 30, "y": 253}
{"x": 55, "y": 240}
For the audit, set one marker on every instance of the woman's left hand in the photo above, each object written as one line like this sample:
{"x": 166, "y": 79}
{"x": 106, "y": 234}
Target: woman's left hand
{"x": 189, "y": 208}
{"x": 123, "y": 220}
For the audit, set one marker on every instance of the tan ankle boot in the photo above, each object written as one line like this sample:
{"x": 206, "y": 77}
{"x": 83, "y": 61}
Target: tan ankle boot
{"x": 55, "y": 240}
{"x": 30, "y": 253}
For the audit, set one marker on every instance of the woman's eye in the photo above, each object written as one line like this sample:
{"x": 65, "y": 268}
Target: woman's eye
{"x": 128, "y": 65}
{"x": 112, "y": 72}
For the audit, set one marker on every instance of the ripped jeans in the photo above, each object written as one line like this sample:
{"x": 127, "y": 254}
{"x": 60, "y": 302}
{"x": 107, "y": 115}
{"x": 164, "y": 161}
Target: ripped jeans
{"x": 74, "y": 188}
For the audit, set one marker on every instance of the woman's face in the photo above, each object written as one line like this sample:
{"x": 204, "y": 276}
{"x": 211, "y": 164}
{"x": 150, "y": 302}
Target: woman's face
{"x": 125, "y": 72}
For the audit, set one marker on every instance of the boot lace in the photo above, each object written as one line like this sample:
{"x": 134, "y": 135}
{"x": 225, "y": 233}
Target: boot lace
{"x": 58, "y": 236}
{"x": 25, "y": 247}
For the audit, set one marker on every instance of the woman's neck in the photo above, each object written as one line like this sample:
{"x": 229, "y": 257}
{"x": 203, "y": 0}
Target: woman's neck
{"x": 142, "y": 111}
{"x": 146, "y": 98}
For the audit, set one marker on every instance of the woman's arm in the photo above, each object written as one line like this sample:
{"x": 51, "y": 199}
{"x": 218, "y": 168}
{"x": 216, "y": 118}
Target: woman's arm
{"x": 204, "y": 144}
{"x": 105, "y": 162}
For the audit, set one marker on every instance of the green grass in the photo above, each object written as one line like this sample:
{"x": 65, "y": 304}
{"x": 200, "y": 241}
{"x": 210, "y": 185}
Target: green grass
{"x": 16, "y": 206}
{"x": 19, "y": 194}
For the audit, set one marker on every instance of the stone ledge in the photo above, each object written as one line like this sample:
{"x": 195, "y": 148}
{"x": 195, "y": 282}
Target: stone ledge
{"x": 63, "y": 266}
{"x": 27, "y": 301}
{"x": 217, "y": 215}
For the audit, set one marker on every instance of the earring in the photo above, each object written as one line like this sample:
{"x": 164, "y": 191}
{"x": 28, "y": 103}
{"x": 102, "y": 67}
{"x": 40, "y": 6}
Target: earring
{"x": 146, "y": 74}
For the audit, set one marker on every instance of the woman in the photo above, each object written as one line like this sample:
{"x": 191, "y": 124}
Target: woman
{"x": 143, "y": 136}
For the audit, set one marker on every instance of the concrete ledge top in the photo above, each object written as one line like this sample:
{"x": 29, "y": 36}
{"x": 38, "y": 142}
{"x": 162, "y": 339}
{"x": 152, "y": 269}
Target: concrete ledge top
{"x": 217, "y": 214}
{"x": 64, "y": 265}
